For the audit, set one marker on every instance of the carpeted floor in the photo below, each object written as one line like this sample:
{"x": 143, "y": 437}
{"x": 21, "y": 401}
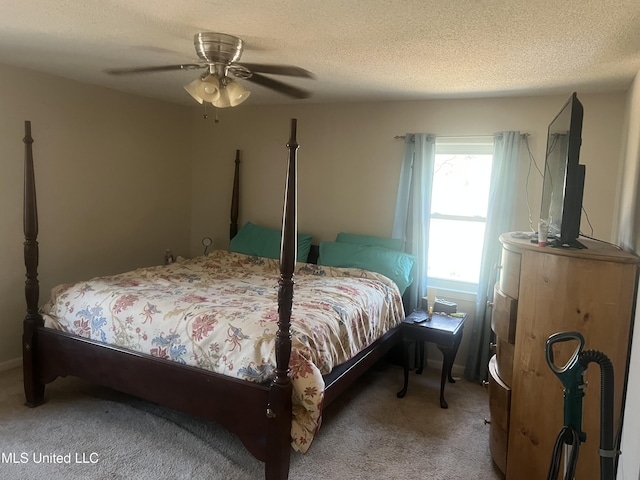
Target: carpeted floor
{"x": 367, "y": 433}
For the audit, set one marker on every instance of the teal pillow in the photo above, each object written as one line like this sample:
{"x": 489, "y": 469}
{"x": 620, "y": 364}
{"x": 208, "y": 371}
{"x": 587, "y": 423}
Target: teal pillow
{"x": 392, "y": 243}
{"x": 253, "y": 239}
{"x": 392, "y": 264}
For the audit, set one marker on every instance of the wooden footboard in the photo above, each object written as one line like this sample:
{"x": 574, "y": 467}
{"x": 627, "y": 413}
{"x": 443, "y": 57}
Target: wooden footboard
{"x": 189, "y": 389}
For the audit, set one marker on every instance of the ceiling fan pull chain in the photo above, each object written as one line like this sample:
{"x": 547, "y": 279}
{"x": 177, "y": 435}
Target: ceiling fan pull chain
{"x": 215, "y": 113}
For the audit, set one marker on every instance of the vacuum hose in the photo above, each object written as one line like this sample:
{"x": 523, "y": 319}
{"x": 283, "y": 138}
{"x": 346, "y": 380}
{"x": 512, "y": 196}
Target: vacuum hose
{"x": 608, "y": 451}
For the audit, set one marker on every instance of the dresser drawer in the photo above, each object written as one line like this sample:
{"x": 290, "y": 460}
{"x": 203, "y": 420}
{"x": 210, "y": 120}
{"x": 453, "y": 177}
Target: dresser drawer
{"x": 510, "y": 273}
{"x": 503, "y": 315}
{"x": 498, "y": 441}
{"x": 504, "y": 355}
{"x": 499, "y": 397}
{"x": 499, "y": 404}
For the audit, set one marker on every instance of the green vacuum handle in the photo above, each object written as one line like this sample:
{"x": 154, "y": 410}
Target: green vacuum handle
{"x": 572, "y": 377}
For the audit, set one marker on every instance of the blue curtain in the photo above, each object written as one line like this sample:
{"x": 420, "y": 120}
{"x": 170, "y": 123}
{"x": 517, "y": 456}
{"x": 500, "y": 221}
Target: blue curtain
{"x": 502, "y": 194}
{"x": 413, "y": 209}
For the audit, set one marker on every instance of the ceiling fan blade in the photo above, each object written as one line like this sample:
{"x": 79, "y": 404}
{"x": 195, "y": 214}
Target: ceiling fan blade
{"x": 288, "y": 70}
{"x": 278, "y": 86}
{"x": 162, "y": 68}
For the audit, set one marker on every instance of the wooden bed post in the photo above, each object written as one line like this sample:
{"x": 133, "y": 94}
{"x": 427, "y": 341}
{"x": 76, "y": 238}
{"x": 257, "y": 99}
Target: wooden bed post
{"x": 33, "y": 388}
{"x": 235, "y": 200}
{"x": 279, "y": 409}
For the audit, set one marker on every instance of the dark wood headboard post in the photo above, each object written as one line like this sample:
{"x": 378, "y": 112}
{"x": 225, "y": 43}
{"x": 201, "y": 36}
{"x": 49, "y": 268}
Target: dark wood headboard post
{"x": 279, "y": 436}
{"x": 235, "y": 198}
{"x": 34, "y": 390}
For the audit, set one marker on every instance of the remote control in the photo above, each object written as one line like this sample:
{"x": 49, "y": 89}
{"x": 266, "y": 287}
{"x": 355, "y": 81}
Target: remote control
{"x": 420, "y": 316}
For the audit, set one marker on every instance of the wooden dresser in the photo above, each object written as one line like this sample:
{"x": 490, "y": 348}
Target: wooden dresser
{"x": 542, "y": 291}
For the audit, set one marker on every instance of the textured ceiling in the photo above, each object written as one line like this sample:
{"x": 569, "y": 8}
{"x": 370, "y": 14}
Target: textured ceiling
{"x": 359, "y": 50}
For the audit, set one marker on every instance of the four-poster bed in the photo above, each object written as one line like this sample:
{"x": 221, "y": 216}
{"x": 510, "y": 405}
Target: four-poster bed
{"x": 260, "y": 414}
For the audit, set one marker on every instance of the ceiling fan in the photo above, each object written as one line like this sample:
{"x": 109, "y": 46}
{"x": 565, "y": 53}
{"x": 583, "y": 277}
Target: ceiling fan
{"x": 219, "y": 54}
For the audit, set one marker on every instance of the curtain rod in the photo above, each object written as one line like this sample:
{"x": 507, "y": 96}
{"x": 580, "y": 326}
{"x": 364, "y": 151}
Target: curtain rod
{"x": 460, "y": 136}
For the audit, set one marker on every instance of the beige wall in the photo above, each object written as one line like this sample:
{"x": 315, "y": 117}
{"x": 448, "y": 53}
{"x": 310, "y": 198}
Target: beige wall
{"x": 113, "y": 179}
{"x": 628, "y": 228}
{"x": 349, "y": 162}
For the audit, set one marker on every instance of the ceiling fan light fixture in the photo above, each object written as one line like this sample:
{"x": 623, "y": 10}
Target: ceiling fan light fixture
{"x": 208, "y": 89}
{"x": 237, "y": 93}
{"x": 191, "y": 90}
{"x": 223, "y": 100}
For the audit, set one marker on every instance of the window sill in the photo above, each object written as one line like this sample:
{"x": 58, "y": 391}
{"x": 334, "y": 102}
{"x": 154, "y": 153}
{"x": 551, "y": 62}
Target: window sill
{"x": 453, "y": 289}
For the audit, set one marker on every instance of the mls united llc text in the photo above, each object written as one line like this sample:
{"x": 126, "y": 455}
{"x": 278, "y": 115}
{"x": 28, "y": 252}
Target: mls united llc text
{"x": 49, "y": 458}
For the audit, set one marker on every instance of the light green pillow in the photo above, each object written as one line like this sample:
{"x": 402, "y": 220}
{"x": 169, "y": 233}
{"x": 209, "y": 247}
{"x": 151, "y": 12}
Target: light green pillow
{"x": 253, "y": 239}
{"x": 392, "y": 243}
{"x": 392, "y": 264}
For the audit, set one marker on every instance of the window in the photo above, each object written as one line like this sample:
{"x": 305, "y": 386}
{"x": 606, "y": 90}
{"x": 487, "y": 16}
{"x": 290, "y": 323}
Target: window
{"x": 459, "y": 200}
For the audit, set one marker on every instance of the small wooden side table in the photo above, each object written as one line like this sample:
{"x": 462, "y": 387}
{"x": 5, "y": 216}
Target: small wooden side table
{"x": 443, "y": 330}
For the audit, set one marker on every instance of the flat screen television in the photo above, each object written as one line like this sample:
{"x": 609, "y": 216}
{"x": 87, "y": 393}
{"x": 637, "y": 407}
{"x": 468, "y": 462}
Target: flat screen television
{"x": 563, "y": 184}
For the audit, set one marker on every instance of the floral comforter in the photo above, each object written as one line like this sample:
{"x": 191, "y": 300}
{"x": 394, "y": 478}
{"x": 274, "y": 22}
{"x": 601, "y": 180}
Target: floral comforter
{"x": 220, "y": 313}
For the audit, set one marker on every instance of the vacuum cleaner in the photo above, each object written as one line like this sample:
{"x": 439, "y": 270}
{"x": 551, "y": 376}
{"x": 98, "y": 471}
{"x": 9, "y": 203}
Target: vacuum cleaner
{"x": 571, "y": 435}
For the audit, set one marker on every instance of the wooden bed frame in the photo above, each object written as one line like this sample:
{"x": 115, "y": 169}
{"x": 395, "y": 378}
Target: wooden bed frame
{"x": 260, "y": 415}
